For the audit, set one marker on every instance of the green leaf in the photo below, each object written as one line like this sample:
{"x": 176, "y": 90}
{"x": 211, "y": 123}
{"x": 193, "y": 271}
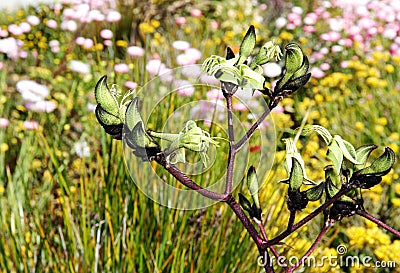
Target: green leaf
{"x": 348, "y": 150}
{"x": 247, "y": 45}
{"x": 252, "y": 185}
{"x": 296, "y": 175}
{"x": 381, "y": 166}
{"x": 105, "y": 97}
{"x": 315, "y": 193}
{"x": 335, "y": 154}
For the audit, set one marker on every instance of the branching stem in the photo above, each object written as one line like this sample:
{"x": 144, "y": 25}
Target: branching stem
{"x": 378, "y": 222}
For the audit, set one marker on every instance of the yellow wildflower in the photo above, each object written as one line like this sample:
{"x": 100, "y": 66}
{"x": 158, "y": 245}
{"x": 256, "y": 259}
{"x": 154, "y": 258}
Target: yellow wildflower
{"x": 286, "y": 35}
{"x": 379, "y": 128}
{"x": 389, "y": 68}
{"x": 394, "y": 136}
{"x": 122, "y": 43}
{"x": 359, "y": 126}
{"x": 382, "y": 121}
{"x": 4, "y": 147}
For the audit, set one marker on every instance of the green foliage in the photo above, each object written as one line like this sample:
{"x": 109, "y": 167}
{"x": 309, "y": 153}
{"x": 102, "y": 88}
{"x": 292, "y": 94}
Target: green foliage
{"x": 296, "y": 65}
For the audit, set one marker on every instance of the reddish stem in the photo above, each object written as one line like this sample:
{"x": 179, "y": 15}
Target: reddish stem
{"x": 378, "y": 222}
{"x": 264, "y": 234}
{"x": 273, "y": 103}
{"x": 181, "y": 177}
{"x": 323, "y": 231}
{"x": 232, "y": 151}
{"x": 309, "y": 217}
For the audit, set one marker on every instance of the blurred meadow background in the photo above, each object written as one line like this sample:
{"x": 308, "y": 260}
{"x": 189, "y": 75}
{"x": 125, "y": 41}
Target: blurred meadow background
{"x": 67, "y": 202}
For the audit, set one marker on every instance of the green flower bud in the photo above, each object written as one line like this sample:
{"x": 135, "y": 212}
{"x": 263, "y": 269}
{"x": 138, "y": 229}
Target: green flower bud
{"x": 294, "y": 58}
{"x": 331, "y": 174}
{"x": 296, "y": 175}
{"x": 303, "y": 69}
{"x": 322, "y": 131}
{"x": 135, "y": 136}
{"x": 348, "y": 150}
{"x": 330, "y": 188}
{"x": 381, "y": 166}
{"x": 315, "y": 193}
{"x": 229, "y": 53}
{"x": 296, "y": 66}
{"x": 111, "y": 124}
{"x": 191, "y": 137}
{"x": 196, "y": 139}
{"x": 252, "y": 185}
{"x": 297, "y": 200}
{"x": 132, "y": 115}
{"x": 105, "y": 97}
{"x": 247, "y": 45}
{"x": 141, "y": 143}
{"x": 244, "y": 203}
{"x": 268, "y": 52}
{"x": 364, "y": 152}
{"x": 250, "y": 78}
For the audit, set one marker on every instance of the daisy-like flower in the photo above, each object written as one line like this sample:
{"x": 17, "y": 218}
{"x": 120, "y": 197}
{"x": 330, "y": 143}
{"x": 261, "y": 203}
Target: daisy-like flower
{"x": 78, "y": 66}
{"x": 4, "y": 122}
{"x": 32, "y": 91}
{"x": 121, "y": 68}
{"x": 81, "y": 148}
{"x": 135, "y": 51}
{"x": 31, "y": 124}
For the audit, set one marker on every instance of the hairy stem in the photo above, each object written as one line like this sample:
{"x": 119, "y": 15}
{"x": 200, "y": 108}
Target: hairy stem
{"x": 272, "y": 104}
{"x": 292, "y": 217}
{"x": 378, "y": 222}
{"x": 181, "y": 177}
{"x": 265, "y": 237}
{"x": 245, "y": 221}
{"x": 321, "y": 234}
{"x": 309, "y": 217}
{"x": 232, "y": 151}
